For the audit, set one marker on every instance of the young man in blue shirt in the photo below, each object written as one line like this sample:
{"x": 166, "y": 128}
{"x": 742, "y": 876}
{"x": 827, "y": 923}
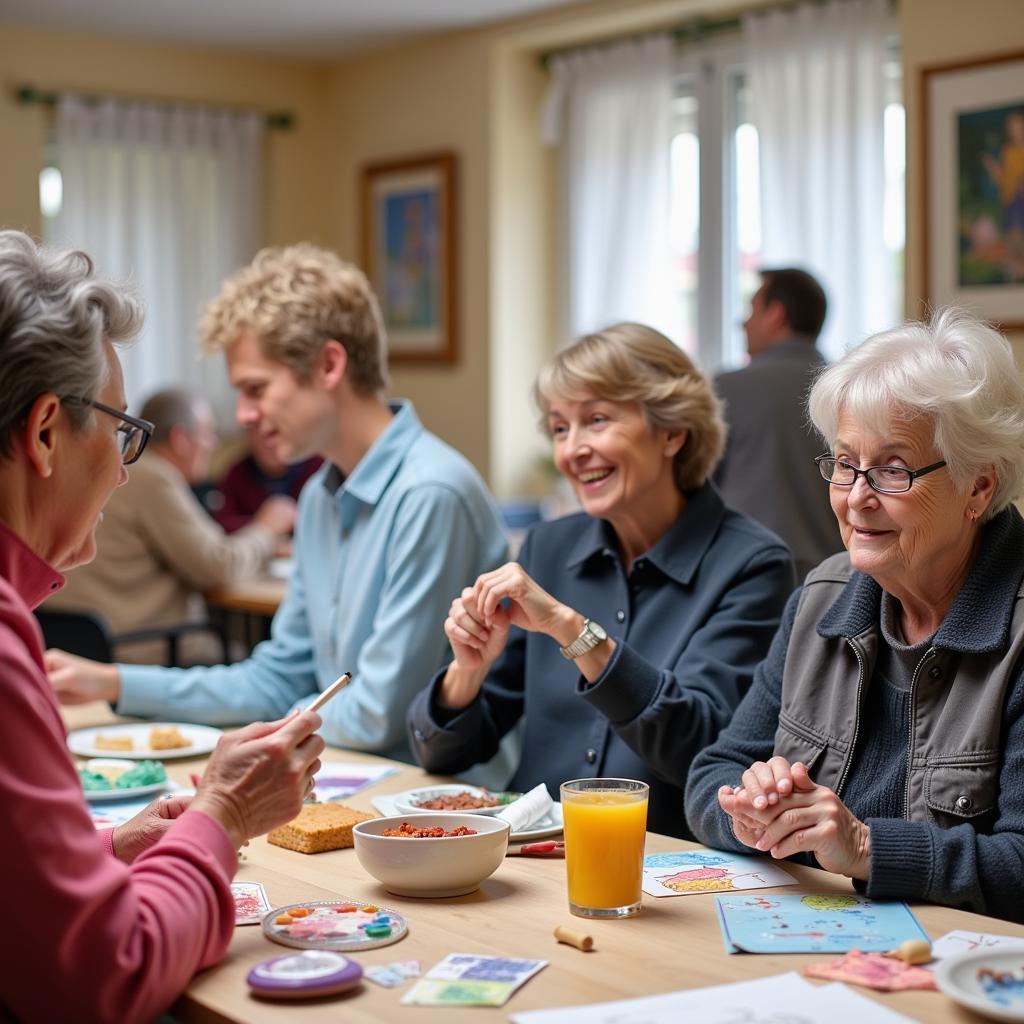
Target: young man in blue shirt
{"x": 391, "y": 525}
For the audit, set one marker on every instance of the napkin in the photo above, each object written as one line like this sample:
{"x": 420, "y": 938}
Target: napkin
{"x": 530, "y": 807}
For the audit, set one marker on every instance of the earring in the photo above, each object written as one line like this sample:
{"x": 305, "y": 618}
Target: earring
{"x": 972, "y": 513}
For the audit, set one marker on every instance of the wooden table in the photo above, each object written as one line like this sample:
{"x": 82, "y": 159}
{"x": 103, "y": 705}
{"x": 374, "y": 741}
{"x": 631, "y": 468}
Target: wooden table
{"x": 250, "y": 604}
{"x": 675, "y": 942}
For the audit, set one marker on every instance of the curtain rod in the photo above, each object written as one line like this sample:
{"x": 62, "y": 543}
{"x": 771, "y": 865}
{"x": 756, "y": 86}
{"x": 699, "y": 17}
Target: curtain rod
{"x": 283, "y": 119}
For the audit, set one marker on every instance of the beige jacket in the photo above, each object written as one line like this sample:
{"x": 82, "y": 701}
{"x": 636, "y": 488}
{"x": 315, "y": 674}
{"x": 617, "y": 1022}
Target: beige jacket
{"x": 156, "y": 550}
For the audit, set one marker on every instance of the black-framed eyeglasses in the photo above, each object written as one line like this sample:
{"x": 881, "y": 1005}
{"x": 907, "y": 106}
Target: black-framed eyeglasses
{"x": 133, "y": 433}
{"x": 885, "y": 479}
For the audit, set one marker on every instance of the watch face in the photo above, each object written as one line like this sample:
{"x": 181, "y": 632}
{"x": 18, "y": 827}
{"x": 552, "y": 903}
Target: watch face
{"x": 597, "y": 630}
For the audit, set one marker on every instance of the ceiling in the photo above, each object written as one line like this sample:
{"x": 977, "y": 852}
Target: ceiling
{"x": 305, "y": 29}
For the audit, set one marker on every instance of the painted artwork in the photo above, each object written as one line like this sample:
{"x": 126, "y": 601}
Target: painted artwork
{"x": 409, "y": 254}
{"x": 825, "y": 923}
{"x": 685, "y": 872}
{"x": 990, "y": 157}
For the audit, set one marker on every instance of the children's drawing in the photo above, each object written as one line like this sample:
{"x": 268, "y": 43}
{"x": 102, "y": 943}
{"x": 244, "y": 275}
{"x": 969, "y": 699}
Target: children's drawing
{"x": 693, "y": 871}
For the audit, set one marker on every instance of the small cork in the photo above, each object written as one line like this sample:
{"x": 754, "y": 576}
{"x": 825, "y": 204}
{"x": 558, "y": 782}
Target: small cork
{"x": 913, "y": 951}
{"x": 573, "y": 938}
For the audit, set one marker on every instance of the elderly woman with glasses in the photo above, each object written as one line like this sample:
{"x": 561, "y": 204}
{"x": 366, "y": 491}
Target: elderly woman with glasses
{"x": 884, "y": 735}
{"x": 110, "y": 925}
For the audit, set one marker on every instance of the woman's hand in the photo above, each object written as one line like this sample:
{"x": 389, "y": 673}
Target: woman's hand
{"x": 79, "y": 680}
{"x": 811, "y": 819}
{"x": 529, "y": 606}
{"x": 475, "y": 642}
{"x": 138, "y": 834}
{"x": 257, "y": 777}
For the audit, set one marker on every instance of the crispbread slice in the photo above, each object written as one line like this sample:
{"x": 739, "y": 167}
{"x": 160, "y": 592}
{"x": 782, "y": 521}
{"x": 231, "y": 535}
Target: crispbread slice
{"x": 318, "y": 827}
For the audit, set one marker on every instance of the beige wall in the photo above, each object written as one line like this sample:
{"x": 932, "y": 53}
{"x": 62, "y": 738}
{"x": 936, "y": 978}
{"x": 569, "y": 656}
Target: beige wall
{"x": 942, "y": 32}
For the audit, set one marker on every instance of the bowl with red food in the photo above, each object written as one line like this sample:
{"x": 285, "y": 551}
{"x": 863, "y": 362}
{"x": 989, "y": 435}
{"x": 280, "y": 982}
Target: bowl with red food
{"x": 452, "y": 798}
{"x": 433, "y": 855}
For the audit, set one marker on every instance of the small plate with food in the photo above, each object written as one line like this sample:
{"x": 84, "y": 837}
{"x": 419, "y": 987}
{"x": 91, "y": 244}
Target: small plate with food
{"x": 110, "y": 779}
{"x": 451, "y": 798}
{"x": 144, "y": 741}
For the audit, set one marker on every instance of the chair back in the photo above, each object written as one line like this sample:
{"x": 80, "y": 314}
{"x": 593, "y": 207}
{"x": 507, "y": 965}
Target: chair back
{"x": 79, "y": 633}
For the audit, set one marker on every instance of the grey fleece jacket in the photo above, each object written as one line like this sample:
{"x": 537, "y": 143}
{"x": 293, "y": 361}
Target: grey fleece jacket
{"x": 976, "y": 866}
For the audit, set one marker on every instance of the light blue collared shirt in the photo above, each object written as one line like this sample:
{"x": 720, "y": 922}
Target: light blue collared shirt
{"x": 378, "y": 559}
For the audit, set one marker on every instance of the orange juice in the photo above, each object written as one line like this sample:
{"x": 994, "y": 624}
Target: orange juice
{"x": 604, "y": 847}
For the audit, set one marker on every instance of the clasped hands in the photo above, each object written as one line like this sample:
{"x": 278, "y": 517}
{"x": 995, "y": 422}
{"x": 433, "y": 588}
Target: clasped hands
{"x": 778, "y": 809}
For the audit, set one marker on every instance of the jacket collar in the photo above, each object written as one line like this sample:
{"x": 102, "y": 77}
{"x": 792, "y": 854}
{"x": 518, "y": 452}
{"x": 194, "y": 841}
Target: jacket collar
{"x": 798, "y": 346}
{"x": 26, "y": 572}
{"x": 678, "y": 553}
{"x": 979, "y": 619}
{"x": 376, "y": 469}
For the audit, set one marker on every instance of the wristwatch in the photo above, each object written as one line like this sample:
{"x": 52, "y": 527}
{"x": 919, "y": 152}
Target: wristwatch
{"x": 590, "y": 636}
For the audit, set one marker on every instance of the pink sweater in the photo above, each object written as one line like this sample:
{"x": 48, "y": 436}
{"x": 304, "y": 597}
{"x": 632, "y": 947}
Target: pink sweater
{"x": 83, "y": 936}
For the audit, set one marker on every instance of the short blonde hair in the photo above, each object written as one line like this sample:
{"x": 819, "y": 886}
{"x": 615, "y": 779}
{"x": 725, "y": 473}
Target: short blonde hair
{"x": 295, "y": 299}
{"x": 633, "y": 363}
{"x": 956, "y": 371}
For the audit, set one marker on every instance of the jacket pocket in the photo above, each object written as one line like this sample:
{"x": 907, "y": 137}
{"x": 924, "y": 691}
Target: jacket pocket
{"x": 959, "y": 793}
{"x": 794, "y": 742}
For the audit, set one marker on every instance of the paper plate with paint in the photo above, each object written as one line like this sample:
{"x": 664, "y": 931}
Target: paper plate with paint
{"x": 342, "y": 924}
{"x": 116, "y": 779}
{"x": 987, "y": 981}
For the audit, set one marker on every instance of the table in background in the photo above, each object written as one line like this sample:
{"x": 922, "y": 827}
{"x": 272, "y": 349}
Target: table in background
{"x": 252, "y": 604}
{"x": 674, "y": 943}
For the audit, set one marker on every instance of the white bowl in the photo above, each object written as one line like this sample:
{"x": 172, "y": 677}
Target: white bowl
{"x": 409, "y": 801}
{"x": 448, "y": 866}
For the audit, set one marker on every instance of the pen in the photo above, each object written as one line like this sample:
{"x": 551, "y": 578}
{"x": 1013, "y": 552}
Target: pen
{"x": 337, "y": 686}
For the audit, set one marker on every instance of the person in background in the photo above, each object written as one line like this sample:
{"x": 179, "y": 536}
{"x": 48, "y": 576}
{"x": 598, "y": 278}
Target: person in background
{"x": 252, "y": 480}
{"x": 157, "y": 547}
{"x": 627, "y": 633}
{"x": 884, "y": 734}
{"x": 389, "y": 527}
{"x": 111, "y": 924}
{"x": 767, "y": 471}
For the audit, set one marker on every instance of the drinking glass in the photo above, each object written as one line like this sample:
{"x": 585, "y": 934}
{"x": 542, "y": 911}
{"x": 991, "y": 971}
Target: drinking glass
{"x": 605, "y": 823}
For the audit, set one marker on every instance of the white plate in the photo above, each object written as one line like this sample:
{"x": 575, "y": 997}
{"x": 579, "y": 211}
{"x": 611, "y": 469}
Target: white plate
{"x": 549, "y": 825}
{"x": 409, "y": 801}
{"x": 958, "y": 977}
{"x": 203, "y": 738}
{"x": 97, "y": 795}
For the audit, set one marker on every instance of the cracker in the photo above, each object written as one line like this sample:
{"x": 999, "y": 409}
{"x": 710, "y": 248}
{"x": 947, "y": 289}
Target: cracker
{"x": 167, "y": 738}
{"x": 318, "y": 827}
{"x": 114, "y": 742}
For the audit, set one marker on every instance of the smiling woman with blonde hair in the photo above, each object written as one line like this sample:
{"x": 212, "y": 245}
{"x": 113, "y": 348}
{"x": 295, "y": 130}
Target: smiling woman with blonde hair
{"x": 627, "y": 633}
{"x": 884, "y": 734}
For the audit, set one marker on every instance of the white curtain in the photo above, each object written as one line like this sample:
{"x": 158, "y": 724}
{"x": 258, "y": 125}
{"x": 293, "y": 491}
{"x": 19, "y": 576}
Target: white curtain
{"x": 817, "y": 81}
{"x": 171, "y": 198}
{"x": 611, "y": 111}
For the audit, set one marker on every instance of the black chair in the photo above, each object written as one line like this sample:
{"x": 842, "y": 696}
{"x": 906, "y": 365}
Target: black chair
{"x": 88, "y": 635}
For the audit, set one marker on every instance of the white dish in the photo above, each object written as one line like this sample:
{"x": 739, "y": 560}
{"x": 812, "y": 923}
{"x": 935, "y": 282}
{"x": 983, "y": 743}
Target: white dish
{"x": 961, "y": 978}
{"x": 432, "y": 867}
{"x": 551, "y": 825}
{"x": 411, "y": 800}
{"x": 202, "y": 739}
{"x": 99, "y": 795}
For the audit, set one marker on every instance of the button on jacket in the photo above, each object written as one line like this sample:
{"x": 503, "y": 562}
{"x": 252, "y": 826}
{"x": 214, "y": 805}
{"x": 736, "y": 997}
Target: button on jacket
{"x": 691, "y": 621}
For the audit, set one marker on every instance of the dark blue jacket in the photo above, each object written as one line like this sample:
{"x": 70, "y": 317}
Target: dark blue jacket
{"x": 691, "y": 619}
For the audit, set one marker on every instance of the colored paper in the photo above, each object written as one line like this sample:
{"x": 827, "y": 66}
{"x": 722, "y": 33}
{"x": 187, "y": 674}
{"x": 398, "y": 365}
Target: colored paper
{"x": 337, "y": 780}
{"x": 462, "y": 979}
{"x": 684, "y": 872}
{"x": 873, "y": 970}
{"x": 251, "y": 902}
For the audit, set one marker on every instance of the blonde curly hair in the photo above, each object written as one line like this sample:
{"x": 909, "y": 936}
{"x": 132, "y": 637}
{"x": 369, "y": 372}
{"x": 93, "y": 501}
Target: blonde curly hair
{"x": 634, "y": 363}
{"x": 295, "y": 299}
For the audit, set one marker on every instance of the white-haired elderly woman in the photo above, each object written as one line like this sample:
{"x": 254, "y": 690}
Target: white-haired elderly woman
{"x": 627, "y": 633}
{"x": 884, "y": 733}
{"x": 109, "y": 925}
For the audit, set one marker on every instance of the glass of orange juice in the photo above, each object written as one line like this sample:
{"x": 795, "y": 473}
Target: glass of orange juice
{"x": 605, "y": 823}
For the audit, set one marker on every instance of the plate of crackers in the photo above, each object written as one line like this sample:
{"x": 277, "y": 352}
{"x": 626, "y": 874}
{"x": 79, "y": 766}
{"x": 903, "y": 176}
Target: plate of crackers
{"x": 144, "y": 741}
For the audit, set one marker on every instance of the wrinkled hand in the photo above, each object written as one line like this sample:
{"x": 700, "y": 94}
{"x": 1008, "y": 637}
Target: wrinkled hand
{"x": 138, "y": 834}
{"x": 257, "y": 777}
{"x": 475, "y": 644}
{"x": 529, "y": 606}
{"x": 78, "y": 680}
{"x": 811, "y": 819}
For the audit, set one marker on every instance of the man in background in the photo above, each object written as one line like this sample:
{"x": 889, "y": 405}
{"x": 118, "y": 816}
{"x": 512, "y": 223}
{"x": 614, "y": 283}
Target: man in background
{"x": 157, "y": 549}
{"x": 768, "y": 471}
{"x": 391, "y": 525}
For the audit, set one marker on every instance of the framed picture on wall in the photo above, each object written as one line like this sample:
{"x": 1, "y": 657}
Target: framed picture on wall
{"x": 973, "y": 160}
{"x": 408, "y": 235}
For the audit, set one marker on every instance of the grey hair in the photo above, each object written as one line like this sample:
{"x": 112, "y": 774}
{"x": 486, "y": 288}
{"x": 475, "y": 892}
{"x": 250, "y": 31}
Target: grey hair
{"x": 54, "y": 316}
{"x": 956, "y": 371}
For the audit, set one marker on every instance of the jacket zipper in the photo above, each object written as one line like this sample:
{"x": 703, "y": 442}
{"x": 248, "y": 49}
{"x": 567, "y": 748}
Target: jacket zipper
{"x": 856, "y": 720}
{"x": 910, "y": 738}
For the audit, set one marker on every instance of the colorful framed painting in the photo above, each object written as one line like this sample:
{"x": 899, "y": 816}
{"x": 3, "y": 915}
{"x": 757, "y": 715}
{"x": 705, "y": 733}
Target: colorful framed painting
{"x": 409, "y": 254}
{"x": 973, "y": 195}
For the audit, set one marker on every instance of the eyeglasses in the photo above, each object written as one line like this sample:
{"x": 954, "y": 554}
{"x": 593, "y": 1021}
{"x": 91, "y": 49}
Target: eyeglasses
{"x": 134, "y": 433}
{"x": 885, "y": 479}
